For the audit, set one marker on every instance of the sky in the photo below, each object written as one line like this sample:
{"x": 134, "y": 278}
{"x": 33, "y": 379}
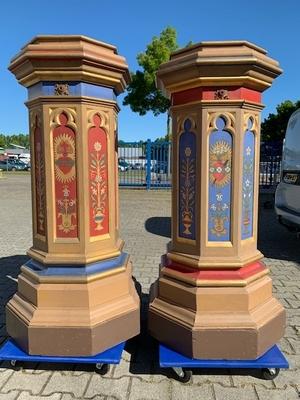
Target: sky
{"x": 130, "y": 25}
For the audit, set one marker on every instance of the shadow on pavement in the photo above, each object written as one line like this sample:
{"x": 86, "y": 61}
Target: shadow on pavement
{"x": 274, "y": 240}
{"x": 159, "y": 226}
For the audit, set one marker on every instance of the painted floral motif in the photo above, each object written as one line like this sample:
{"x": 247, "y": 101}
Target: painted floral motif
{"x": 64, "y": 158}
{"x": 220, "y": 159}
{"x": 187, "y": 191}
{"x": 219, "y": 215}
{"x": 67, "y": 211}
{"x": 220, "y": 163}
{"x": 187, "y": 182}
{"x": 248, "y": 181}
{"x": 39, "y": 181}
{"x": 98, "y": 178}
{"x": 98, "y": 185}
{"x": 64, "y": 151}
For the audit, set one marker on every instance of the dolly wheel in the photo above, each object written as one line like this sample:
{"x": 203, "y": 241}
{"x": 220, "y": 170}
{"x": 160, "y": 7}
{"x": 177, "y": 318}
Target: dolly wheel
{"x": 182, "y": 375}
{"x": 16, "y": 365}
{"x": 270, "y": 373}
{"x": 102, "y": 369}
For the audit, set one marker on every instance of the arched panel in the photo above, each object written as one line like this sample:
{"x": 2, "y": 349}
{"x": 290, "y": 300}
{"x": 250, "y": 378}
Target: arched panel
{"x": 187, "y": 183}
{"x": 248, "y": 182}
{"x": 39, "y": 176}
{"x": 64, "y": 150}
{"x": 220, "y": 177}
{"x": 98, "y": 178}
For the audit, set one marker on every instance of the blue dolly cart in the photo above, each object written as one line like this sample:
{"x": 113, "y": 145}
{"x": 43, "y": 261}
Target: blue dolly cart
{"x": 269, "y": 363}
{"x": 12, "y": 353}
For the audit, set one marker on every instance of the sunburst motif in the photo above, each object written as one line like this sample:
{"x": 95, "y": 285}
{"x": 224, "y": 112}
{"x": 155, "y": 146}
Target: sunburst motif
{"x": 64, "y": 158}
{"x": 220, "y": 163}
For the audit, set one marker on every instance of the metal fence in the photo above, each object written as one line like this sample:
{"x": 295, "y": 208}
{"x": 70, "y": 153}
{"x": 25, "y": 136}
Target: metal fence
{"x": 269, "y": 171}
{"x": 148, "y": 164}
{"x": 145, "y": 164}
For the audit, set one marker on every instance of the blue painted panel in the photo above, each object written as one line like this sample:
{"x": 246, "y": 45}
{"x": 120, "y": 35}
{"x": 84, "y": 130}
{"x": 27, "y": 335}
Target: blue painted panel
{"x": 75, "y": 89}
{"x": 11, "y": 351}
{"x": 248, "y": 184}
{"x": 220, "y": 176}
{"x": 187, "y": 183}
{"x": 80, "y": 270}
{"x": 273, "y": 358}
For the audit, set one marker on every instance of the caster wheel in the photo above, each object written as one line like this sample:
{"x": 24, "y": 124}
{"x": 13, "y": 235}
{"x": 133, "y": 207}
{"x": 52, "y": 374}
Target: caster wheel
{"x": 270, "y": 373}
{"x": 102, "y": 369}
{"x": 15, "y": 365}
{"x": 181, "y": 375}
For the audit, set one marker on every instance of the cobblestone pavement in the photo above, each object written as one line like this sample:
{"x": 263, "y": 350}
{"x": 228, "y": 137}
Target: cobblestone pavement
{"x": 146, "y": 229}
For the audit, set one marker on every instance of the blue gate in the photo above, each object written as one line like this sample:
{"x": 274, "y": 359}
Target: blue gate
{"x": 145, "y": 164}
{"x": 148, "y": 164}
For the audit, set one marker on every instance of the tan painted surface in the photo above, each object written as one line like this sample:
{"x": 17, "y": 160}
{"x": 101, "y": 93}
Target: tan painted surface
{"x": 238, "y": 319}
{"x": 72, "y": 315}
{"x": 103, "y": 313}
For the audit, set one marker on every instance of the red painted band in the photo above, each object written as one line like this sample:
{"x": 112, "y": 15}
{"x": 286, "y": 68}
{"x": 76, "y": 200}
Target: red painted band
{"x": 217, "y": 274}
{"x": 209, "y": 93}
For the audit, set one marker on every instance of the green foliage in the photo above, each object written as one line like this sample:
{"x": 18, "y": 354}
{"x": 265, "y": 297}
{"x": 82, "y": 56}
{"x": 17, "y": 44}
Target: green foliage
{"x": 20, "y": 139}
{"x": 143, "y": 96}
{"x": 274, "y": 126}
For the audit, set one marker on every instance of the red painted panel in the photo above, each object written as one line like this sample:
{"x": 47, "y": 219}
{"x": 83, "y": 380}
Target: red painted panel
{"x": 39, "y": 169}
{"x": 216, "y": 274}
{"x": 209, "y": 93}
{"x": 98, "y": 179}
{"x": 64, "y": 149}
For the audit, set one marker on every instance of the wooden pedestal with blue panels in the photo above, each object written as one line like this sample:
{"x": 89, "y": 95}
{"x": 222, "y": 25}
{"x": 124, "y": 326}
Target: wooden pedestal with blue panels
{"x": 213, "y": 299}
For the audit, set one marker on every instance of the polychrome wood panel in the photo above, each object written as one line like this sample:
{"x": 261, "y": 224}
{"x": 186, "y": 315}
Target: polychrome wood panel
{"x": 187, "y": 183}
{"x": 39, "y": 170}
{"x": 220, "y": 177}
{"x": 64, "y": 152}
{"x": 98, "y": 179}
{"x": 248, "y": 182}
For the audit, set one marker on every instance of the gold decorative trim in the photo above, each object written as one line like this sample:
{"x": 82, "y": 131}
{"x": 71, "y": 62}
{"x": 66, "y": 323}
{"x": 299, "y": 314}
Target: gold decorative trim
{"x": 104, "y": 119}
{"x": 70, "y": 113}
{"x": 254, "y": 83}
{"x": 61, "y": 89}
{"x": 226, "y": 103}
{"x": 255, "y": 122}
{"x": 228, "y": 117}
{"x": 221, "y": 94}
{"x": 182, "y": 118}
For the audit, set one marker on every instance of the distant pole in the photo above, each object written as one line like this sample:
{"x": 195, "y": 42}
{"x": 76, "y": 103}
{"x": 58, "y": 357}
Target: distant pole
{"x": 148, "y": 168}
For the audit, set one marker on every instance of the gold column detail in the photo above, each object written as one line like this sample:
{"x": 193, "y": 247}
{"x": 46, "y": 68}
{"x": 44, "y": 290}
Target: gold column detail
{"x": 75, "y": 295}
{"x": 213, "y": 298}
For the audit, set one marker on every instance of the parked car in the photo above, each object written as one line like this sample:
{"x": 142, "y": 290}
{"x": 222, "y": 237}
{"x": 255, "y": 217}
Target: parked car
{"x": 161, "y": 167}
{"x": 123, "y": 165}
{"x": 21, "y": 164}
{"x": 25, "y": 158}
{"x": 137, "y": 166}
{"x": 287, "y": 196}
{"x": 9, "y": 166}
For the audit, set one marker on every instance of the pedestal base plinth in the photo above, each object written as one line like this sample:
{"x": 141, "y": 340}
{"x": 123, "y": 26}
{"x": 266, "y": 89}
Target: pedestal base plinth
{"x": 223, "y": 319}
{"x": 82, "y": 311}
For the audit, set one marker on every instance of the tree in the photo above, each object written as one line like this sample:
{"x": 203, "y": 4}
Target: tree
{"x": 274, "y": 126}
{"x": 20, "y": 139}
{"x": 142, "y": 94}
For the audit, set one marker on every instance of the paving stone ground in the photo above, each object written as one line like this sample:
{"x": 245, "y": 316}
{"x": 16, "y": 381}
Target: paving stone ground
{"x": 145, "y": 226}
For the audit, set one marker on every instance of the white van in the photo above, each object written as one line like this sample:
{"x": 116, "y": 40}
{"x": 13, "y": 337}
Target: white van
{"x": 287, "y": 196}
